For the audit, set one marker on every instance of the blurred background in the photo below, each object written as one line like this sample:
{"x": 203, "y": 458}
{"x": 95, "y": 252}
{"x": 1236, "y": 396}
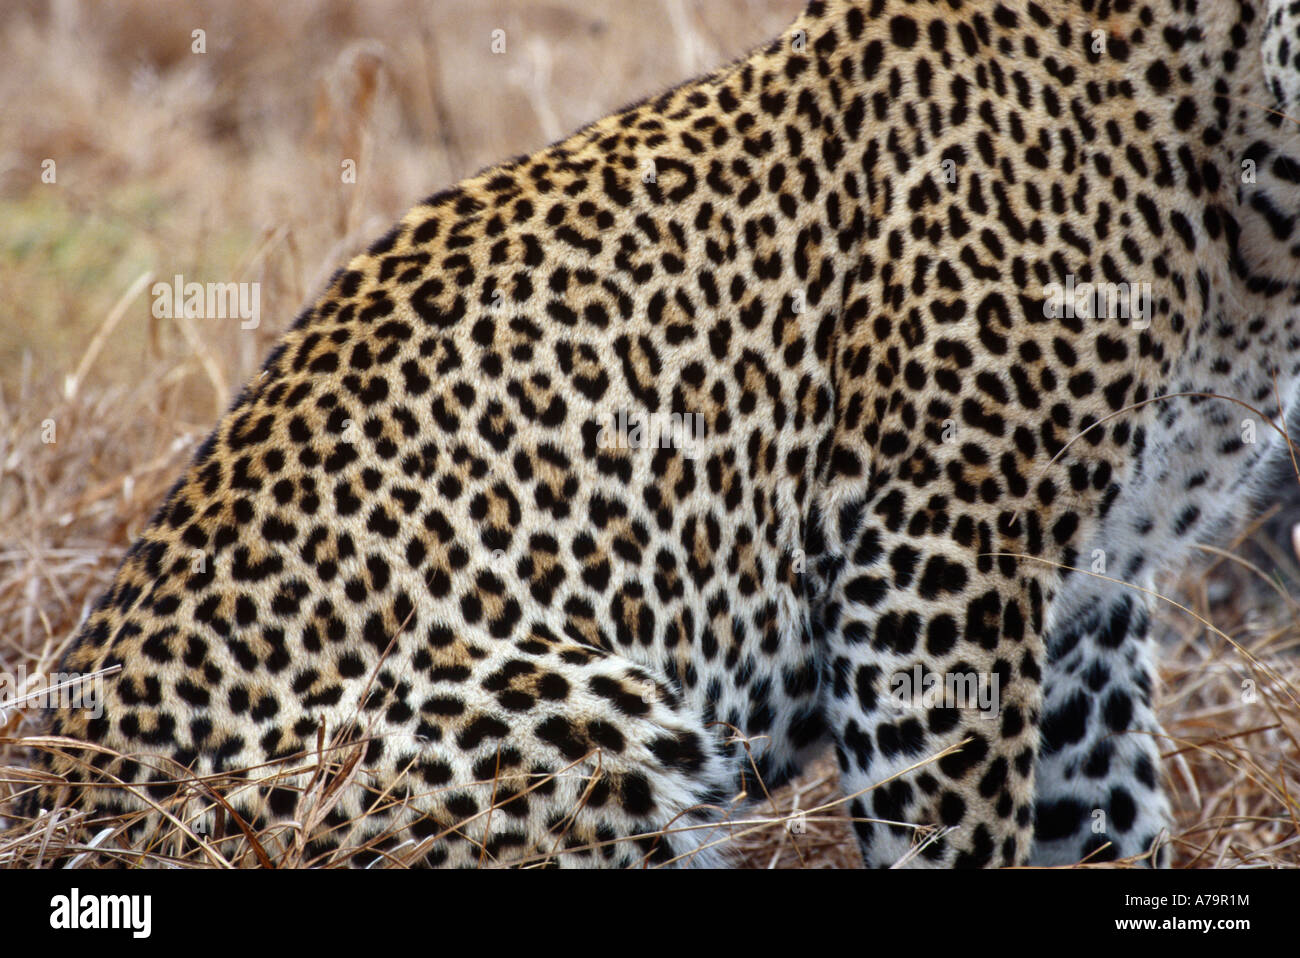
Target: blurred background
{"x": 225, "y": 165}
{"x": 142, "y": 139}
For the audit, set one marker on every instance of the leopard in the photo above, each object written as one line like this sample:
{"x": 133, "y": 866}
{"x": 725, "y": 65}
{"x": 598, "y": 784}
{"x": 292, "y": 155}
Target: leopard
{"x": 616, "y": 483}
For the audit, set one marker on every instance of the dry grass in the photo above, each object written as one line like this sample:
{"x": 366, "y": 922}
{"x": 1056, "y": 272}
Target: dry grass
{"x": 1231, "y": 703}
{"x": 224, "y": 166}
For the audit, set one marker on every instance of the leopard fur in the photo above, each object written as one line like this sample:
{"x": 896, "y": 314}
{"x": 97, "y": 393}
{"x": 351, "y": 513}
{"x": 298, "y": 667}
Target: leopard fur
{"x": 423, "y": 535}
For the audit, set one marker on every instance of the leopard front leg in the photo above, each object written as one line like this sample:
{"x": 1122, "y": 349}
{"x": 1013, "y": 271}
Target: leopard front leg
{"x": 932, "y": 644}
{"x": 1099, "y": 794}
